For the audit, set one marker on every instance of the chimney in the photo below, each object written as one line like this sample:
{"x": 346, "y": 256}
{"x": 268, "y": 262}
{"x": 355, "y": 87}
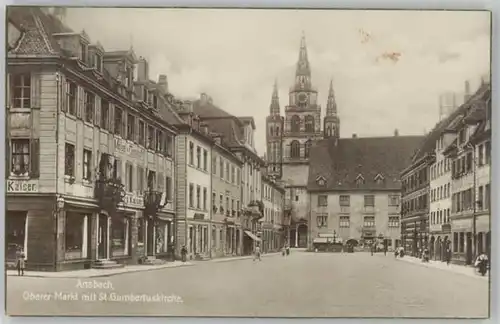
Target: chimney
{"x": 354, "y": 135}
{"x": 203, "y": 98}
{"x": 163, "y": 83}
{"x": 396, "y": 132}
{"x": 142, "y": 70}
{"x": 467, "y": 91}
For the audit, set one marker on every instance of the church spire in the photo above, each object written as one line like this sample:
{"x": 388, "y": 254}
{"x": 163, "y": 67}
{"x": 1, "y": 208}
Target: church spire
{"x": 275, "y": 101}
{"x": 303, "y": 68}
{"x": 331, "y": 105}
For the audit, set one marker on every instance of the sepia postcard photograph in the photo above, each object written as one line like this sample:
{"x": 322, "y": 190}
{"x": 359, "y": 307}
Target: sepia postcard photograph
{"x": 233, "y": 162}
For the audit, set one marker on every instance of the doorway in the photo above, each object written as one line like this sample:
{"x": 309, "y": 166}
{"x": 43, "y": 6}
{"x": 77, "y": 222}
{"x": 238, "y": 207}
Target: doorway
{"x": 102, "y": 234}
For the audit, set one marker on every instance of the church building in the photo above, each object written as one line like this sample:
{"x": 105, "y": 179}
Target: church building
{"x": 324, "y": 174}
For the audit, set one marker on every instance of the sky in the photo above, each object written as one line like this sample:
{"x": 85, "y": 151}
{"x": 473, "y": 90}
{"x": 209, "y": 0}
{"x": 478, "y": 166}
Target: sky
{"x": 388, "y": 67}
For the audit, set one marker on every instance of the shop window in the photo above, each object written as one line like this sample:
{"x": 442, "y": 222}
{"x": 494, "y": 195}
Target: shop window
{"x": 15, "y": 224}
{"x": 161, "y": 237}
{"x": 140, "y": 231}
{"x": 76, "y": 236}
{"x": 119, "y": 236}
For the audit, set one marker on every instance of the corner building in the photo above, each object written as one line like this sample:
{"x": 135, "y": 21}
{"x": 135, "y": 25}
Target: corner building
{"x": 86, "y": 152}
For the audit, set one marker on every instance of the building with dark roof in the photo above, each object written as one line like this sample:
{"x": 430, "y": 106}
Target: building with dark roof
{"x": 89, "y": 150}
{"x": 354, "y": 188}
{"x": 470, "y": 156}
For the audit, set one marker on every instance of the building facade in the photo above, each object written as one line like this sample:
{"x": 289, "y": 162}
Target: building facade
{"x": 354, "y": 189}
{"x": 226, "y": 201}
{"x": 272, "y": 222}
{"x": 470, "y": 155}
{"x": 290, "y": 138}
{"x": 440, "y": 200}
{"x": 237, "y": 134}
{"x": 89, "y": 162}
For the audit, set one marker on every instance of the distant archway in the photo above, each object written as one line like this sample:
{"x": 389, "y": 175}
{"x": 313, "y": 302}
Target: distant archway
{"x": 302, "y": 236}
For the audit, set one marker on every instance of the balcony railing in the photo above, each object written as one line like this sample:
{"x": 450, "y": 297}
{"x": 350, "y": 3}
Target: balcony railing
{"x": 369, "y": 210}
{"x": 345, "y": 209}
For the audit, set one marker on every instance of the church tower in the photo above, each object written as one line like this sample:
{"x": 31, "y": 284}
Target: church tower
{"x": 274, "y": 131}
{"x": 331, "y": 127}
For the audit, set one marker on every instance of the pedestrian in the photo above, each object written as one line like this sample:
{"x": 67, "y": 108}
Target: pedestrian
{"x": 288, "y": 250}
{"x": 20, "y": 263}
{"x": 257, "y": 253}
{"x": 283, "y": 250}
{"x": 448, "y": 255}
{"x": 183, "y": 253}
{"x": 372, "y": 247}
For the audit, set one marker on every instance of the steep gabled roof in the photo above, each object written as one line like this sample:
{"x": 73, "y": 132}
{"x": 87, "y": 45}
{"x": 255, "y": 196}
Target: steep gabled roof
{"x": 341, "y": 164}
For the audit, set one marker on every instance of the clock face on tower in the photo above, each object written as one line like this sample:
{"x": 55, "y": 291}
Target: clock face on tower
{"x": 302, "y": 97}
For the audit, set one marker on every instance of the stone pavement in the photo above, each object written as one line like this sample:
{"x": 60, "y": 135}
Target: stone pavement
{"x": 465, "y": 270}
{"x": 95, "y": 273}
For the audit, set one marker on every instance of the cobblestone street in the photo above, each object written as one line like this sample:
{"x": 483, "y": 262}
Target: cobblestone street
{"x": 303, "y": 284}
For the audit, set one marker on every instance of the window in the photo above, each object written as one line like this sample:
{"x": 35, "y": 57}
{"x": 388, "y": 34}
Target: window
{"x": 140, "y": 179}
{"x": 21, "y": 86}
{"x": 69, "y": 165}
{"x": 145, "y": 94}
{"x": 227, "y": 205}
{"x": 191, "y": 195}
{"x": 322, "y": 220}
{"x": 232, "y": 207}
{"x": 238, "y": 176}
{"x": 487, "y": 152}
{"x": 295, "y": 124}
{"x": 369, "y": 200}
{"x": 151, "y": 138}
{"x": 487, "y": 196}
{"x": 104, "y": 114}
{"x": 369, "y": 221}
{"x": 309, "y": 121}
{"x": 74, "y": 235}
{"x": 198, "y": 196}
{"x": 169, "y": 145}
{"x": 130, "y": 127}
{"x": 118, "y": 121}
{"x": 233, "y": 171}
{"x": 237, "y": 206}
{"x": 191, "y": 153}
{"x": 89, "y": 106}
{"x": 344, "y": 200}
{"x": 323, "y": 200}
{"x": 221, "y": 203}
{"x": 461, "y": 136}
{"x": 168, "y": 188}
{"x": 393, "y": 222}
{"x": 71, "y": 91}
{"x": 214, "y": 197}
{"x": 20, "y": 156}
{"x": 198, "y": 157}
{"x": 87, "y": 164}
{"x": 307, "y": 148}
{"x": 393, "y": 200}
{"x": 295, "y": 149}
{"x": 151, "y": 180}
{"x": 204, "y": 198}
{"x": 227, "y": 171}
{"x": 83, "y": 53}
{"x": 159, "y": 141}
{"x": 142, "y": 133}
{"x": 129, "y": 175}
{"x": 344, "y": 222}
{"x": 205, "y": 162}
{"x": 117, "y": 169}
{"x": 214, "y": 165}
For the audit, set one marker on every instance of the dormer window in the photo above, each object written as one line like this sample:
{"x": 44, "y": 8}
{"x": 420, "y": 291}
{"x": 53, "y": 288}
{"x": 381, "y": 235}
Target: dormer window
{"x": 360, "y": 180}
{"x": 321, "y": 181}
{"x": 379, "y": 179}
{"x": 98, "y": 62}
{"x": 145, "y": 94}
{"x": 154, "y": 101}
{"x": 83, "y": 52}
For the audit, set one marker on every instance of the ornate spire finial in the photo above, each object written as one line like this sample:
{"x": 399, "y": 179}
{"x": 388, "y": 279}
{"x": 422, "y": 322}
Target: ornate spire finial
{"x": 303, "y": 62}
{"x": 274, "y": 108}
{"x": 330, "y": 91}
{"x": 331, "y": 105}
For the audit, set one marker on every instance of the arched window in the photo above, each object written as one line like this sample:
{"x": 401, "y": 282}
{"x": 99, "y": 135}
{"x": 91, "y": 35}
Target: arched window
{"x": 276, "y": 152}
{"x": 307, "y": 148}
{"x": 329, "y": 131}
{"x": 295, "y": 124}
{"x": 271, "y": 131}
{"x": 277, "y": 131}
{"x": 309, "y": 124}
{"x": 295, "y": 149}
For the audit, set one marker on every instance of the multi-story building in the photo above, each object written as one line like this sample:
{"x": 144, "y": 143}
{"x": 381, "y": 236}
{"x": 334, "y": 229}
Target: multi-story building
{"x": 354, "y": 189}
{"x": 470, "y": 153}
{"x": 238, "y": 135}
{"x": 226, "y": 200}
{"x": 272, "y": 223}
{"x": 89, "y": 160}
{"x": 440, "y": 200}
{"x": 415, "y": 196}
{"x": 290, "y": 138}
{"x": 194, "y": 183}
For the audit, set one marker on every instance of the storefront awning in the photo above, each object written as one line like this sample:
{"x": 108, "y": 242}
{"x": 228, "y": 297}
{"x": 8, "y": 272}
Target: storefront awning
{"x": 320, "y": 240}
{"x": 252, "y": 236}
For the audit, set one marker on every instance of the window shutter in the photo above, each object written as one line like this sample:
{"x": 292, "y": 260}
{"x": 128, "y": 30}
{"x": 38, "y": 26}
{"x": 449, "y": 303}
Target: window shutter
{"x": 136, "y": 130}
{"x": 80, "y": 102}
{"x": 64, "y": 96}
{"x": 35, "y": 158}
{"x": 8, "y": 92}
{"x": 97, "y": 104}
{"x": 111, "y": 118}
{"x": 35, "y": 90}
